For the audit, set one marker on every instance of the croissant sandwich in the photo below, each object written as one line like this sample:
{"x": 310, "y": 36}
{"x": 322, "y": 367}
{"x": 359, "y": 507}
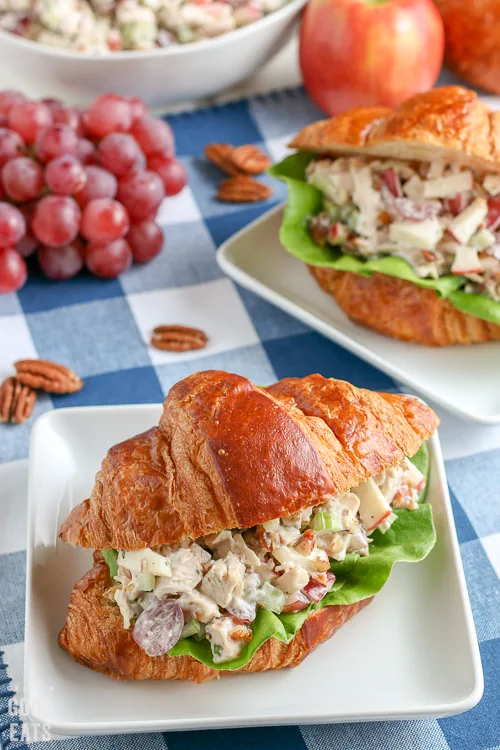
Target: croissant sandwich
{"x": 397, "y": 215}
{"x": 247, "y": 527}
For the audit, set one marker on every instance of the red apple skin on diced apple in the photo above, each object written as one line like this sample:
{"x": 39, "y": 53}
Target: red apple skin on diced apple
{"x": 391, "y": 179}
{"x": 363, "y": 53}
{"x": 455, "y": 204}
{"x": 492, "y": 220}
{"x": 300, "y": 602}
{"x": 381, "y": 520}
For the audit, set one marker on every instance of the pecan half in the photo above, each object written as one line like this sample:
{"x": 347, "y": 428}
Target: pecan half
{"x": 250, "y": 159}
{"x": 47, "y": 376}
{"x": 17, "y": 401}
{"x": 178, "y": 338}
{"x": 243, "y": 189}
{"x": 220, "y": 154}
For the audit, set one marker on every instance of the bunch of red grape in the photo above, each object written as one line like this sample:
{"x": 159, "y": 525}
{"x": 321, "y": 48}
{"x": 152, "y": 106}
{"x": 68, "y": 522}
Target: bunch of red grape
{"x": 81, "y": 188}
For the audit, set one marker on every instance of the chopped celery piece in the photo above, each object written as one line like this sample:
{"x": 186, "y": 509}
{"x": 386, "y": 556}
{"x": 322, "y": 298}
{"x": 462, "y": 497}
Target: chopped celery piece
{"x": 271, "y": 598}
{"x": 330, "y": 520}
{"x": 192, "y": 627}
{"x": 110, "y": 556}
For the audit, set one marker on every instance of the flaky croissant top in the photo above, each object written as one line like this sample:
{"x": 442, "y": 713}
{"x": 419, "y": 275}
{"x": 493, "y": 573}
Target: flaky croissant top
{"x": 448, "y": 122}
{"x": 228, "y": 454}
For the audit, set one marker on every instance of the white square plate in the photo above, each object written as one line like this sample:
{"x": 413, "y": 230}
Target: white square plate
{"x": 462, "y": 379}
{"x": 412, "y": 653}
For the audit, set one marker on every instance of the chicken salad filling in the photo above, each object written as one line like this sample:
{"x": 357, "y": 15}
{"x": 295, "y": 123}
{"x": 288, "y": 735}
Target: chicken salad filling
{"x": 441, "y": 218}
{"x": 212, "y": 588}
{"x": 106, "y": 26}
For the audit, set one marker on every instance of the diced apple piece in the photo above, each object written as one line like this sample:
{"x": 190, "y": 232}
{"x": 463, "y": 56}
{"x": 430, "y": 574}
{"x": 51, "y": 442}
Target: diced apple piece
{"x": 466, "y": 261}
{"x": 145, "y": 561}
{"x": 414, "y": 188}
{"x": 450, "y": 185}
{"x": 315, "y": 591}
{"x": 482, "y": 239}
{"x": 491, "y": 184}
{"x": 436, "y": 169}
{"x": 423, "y": 234}
{"x": 338, "y": 234}
{"x": 324, "y": 182}
{"x": 463, "y": 226}
{"x": 373, "y": 508}
{"x": 296, "y": 602}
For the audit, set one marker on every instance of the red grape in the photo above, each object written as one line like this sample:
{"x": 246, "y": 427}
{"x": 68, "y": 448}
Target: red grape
{"x": 108, "y": 260}
{"x": 8, "y": 99}
{"x": 27, "y": 245}
{"x": 55, "y": 141}
{"x": 54, "y": 104}
{"x": 68, "y": 116}
{"x": 22, "y": 178}
{"x": 107, "y": 114}
{"x": 56, "y": 220}
{"x": 86, "y": 151}
{"x": 141, "y": 193}
{"x": 61, "y": 262}
{"x": 171, "y": 171}
{"x": 27, "y": 118}
{"x": 139, "y": 109}
{"x": 11, "y": 145}
{"x": 100, "y": 184}
{"x": 104, "y": 220}
{"x": 153, "y": 136}
{"x": 146, "y": 240}
{"x": 65, "y": 175}
{"x": 13, "y": 271}
{"x": 119, "y": 153}
{"x": 12, "y": 225}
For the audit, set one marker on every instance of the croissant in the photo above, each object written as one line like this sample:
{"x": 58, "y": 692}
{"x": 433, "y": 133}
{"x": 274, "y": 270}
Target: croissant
{"x": 228, "y": 455}
{"x": 448, "y": 123}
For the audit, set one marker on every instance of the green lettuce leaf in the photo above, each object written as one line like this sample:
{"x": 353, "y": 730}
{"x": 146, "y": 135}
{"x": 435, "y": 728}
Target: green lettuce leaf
{"x": 305, "y": 200}
{"x": 409, "y": 539}
{"x": 111, "y": 556}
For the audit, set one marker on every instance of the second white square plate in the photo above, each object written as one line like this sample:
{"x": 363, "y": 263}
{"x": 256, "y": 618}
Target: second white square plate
{"x": 412, "y": 653}
{"x": 462, "y": 379}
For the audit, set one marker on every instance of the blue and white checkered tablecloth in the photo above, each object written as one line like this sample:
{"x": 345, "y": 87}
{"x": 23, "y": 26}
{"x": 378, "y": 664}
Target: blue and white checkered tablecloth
{"x": 101, "y": 329}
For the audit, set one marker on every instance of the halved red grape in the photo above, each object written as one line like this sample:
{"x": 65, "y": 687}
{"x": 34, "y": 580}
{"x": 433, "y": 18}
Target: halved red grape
{"x": 28, "y": 118}
{"x": 100, "y": 184}
{"x": 56, "y": 220}
{"x": 61, "y": 263}
{"x": 86, "y": 151}
{"x": 8, "y": 99}
{"x": 146, "y": 240}
{"x": 108, "y": 260}
{"x": 119, "y": 153}
{"x": 55, "y": 141}
{"x": 139, "y": 109}
{"x": 22, "y": 178}
{"x": 109, "y": 113}
{"x": 12, "y": 225}
{"x": 171, "y": 171}
{"x": 65, "y": 175}
{"x": 159, "y": 627}
{"x": 104, "y": 220}
{"x": 141, "y": 193}
{"x": 11, "y": 145}
{"x": 13, "y": 271}
{"x": 154, "y": 136}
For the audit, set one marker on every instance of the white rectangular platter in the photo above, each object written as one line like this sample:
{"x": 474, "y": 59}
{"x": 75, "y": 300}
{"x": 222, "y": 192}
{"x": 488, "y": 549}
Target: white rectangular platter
{"x": 412, "y": 653}
{"x": 462, "y": 379}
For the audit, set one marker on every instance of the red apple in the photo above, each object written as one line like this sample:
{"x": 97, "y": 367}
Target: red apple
{"x": 472, "y": 48}
{"x": 369, "y": 52}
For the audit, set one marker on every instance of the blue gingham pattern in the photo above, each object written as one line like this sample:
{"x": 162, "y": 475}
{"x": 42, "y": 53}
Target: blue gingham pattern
{"x": 102, "y": 328}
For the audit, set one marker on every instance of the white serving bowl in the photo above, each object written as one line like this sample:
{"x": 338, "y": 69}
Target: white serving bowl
{"x": 162, "y": 77}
